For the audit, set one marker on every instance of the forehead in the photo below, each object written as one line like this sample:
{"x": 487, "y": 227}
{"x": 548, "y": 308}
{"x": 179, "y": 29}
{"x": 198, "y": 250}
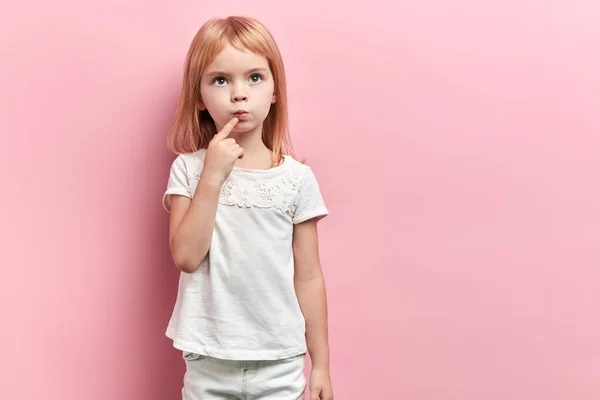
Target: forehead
{"x": 233, "y": 60}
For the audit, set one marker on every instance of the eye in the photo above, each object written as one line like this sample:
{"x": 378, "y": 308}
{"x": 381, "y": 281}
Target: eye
{"x": 219, "y": 81}
{"x": 256, "y": 78}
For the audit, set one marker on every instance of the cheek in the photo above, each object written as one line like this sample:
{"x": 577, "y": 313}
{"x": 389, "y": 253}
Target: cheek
{"x": 266, "y": 94}
{"x": 213, "y": 98}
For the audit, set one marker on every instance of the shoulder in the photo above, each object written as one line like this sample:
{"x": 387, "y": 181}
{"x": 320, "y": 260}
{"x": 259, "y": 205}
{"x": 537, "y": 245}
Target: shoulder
{"x": 189, "y": 163}
{"x": 298, "y": 167}
{"x": 302, "y": 171}
{"x": 193, "y": 159}
{"x": 309, "y": 202}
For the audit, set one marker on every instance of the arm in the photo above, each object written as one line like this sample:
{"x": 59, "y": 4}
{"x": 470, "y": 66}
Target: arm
{"x": 193, "y": 220}
{"x": 192, "y": 223}
{"x": 310, "y": 289}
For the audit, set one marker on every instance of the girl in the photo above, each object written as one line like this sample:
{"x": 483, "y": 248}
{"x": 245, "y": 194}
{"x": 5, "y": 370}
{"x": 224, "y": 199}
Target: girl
{"x": 243, "y": 226}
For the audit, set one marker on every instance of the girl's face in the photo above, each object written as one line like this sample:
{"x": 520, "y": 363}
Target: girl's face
{"x": 238, "y": 84}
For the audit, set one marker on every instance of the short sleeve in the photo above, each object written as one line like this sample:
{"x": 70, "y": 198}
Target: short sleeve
{"x": 310, "y": 203}
{"x": 177, "y": 184}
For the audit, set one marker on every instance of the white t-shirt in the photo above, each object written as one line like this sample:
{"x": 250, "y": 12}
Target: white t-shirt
{"x": 241, "y": 304}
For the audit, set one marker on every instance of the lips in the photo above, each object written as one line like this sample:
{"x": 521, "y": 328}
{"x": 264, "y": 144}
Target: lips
{"x": 241, "y": 114}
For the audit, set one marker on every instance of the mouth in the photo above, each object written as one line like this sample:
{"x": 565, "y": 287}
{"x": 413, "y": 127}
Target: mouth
{"x": 241, "y": 114}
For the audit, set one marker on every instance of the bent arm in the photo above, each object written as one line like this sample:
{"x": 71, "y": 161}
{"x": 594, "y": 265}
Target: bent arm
{"x": 192, "y": 224}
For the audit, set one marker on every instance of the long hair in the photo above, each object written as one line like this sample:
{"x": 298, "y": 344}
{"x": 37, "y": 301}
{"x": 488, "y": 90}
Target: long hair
{"x": 192, "y": 129}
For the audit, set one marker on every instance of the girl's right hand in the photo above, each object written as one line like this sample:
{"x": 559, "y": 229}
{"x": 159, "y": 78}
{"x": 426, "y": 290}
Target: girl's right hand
{"x": 221, "y": 154}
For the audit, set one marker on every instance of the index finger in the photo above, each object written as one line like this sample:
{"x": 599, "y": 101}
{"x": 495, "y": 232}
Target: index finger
{"x": 226, "y": 130}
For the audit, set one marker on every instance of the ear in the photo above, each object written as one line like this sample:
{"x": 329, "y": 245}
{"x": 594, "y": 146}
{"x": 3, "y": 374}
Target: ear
{"x": 201, "y": 105}
{"x": 274, "y": 100}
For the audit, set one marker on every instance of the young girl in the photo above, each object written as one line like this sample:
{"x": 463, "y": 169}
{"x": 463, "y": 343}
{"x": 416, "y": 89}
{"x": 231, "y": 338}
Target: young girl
{"x": 243, "y": 227}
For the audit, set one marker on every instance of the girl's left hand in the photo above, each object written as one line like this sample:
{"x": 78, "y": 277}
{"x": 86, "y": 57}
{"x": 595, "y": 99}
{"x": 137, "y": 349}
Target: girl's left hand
{"x": 320, "y": 385}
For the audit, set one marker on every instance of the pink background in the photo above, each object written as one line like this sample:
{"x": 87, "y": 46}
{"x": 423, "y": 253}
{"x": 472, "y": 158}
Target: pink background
{"x": 457, "y": 144}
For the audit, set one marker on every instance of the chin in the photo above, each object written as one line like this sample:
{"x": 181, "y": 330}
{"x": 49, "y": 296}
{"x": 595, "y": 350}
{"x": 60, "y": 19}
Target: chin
{"x": 245, "y": 126}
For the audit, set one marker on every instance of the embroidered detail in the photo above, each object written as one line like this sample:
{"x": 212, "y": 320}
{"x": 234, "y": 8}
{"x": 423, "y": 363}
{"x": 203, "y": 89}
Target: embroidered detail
{"x": 280, "y": 193}
{"x": 194, "y": 166}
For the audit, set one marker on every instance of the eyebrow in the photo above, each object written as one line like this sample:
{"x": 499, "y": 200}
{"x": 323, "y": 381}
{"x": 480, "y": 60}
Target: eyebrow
{"x": 253, "y": 70}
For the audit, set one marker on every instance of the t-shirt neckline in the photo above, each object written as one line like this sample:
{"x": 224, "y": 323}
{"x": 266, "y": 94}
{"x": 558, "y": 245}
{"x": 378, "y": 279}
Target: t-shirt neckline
{"x": 263, "y": 171}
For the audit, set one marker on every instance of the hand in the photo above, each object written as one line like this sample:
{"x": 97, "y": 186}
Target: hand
{"x": 320, "y": 385}
{"x": 221, "y": 154}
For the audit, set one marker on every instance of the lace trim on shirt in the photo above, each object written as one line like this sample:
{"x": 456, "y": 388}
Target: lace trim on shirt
{"x": 280, "y": 193}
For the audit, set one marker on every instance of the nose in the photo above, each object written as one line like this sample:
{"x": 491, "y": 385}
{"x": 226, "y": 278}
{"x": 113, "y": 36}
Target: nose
{"x": 238, "y": 94}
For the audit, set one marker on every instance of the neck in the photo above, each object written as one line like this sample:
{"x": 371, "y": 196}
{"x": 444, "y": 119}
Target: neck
{"x": 250, "y": 141}
{"x": 256, "y": 153}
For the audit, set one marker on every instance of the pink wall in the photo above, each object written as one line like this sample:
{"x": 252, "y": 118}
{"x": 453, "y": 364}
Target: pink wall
{"x": 458, "y": 148}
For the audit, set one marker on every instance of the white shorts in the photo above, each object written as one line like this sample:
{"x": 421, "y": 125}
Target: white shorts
{"x": 208, "y": 378}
